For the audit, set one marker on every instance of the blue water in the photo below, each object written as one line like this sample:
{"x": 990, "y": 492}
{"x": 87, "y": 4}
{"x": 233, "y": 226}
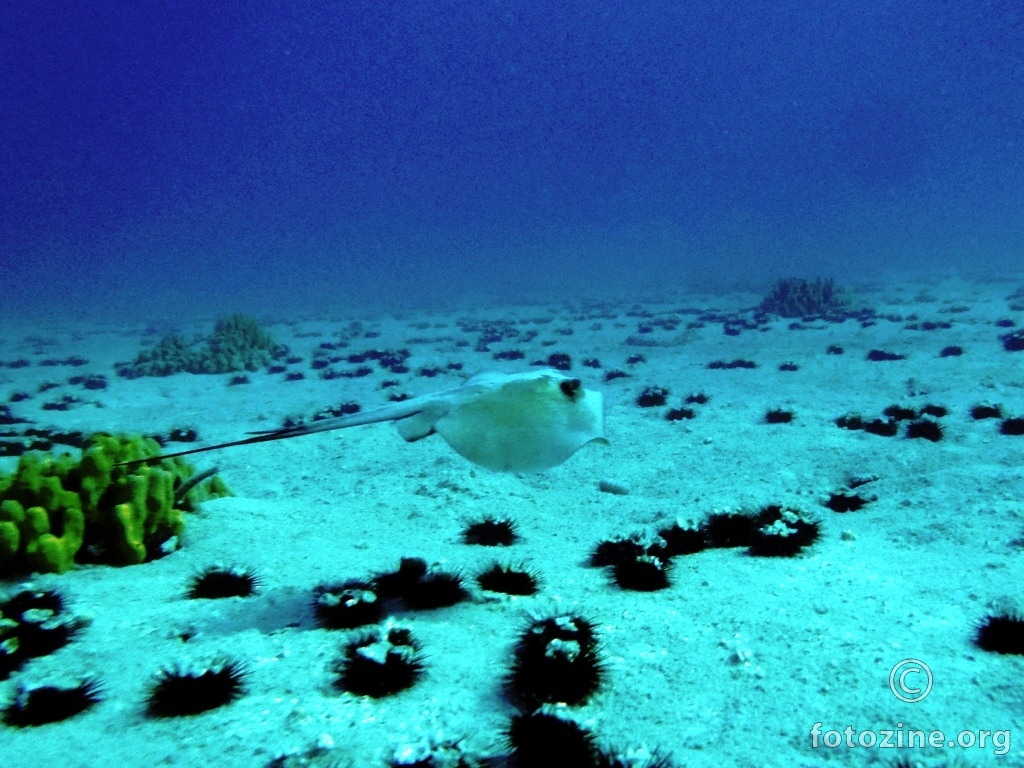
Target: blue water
{"x": 163, "y": 156}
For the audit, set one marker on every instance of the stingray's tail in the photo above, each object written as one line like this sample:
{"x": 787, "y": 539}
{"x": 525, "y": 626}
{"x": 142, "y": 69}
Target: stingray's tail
{"x": 256, "y": 437}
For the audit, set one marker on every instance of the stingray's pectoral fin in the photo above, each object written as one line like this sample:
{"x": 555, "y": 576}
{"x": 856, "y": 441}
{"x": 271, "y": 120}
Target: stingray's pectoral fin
{"x": 417, "y": 426}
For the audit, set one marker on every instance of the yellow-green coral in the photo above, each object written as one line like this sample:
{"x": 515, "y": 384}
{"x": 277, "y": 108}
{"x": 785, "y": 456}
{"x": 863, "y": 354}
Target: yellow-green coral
{"x": 53, "y": 505}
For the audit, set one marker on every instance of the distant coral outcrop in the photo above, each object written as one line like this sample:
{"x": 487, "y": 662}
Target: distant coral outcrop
{"x": 237, "y": 343}
{"x": 796, "y": 297}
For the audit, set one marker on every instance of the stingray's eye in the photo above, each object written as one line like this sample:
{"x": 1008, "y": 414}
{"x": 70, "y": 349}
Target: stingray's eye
{"x": 570, "y": 387}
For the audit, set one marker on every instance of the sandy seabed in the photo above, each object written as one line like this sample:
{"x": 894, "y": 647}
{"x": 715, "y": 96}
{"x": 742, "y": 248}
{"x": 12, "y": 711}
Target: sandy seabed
{"x": 732, "y": 665}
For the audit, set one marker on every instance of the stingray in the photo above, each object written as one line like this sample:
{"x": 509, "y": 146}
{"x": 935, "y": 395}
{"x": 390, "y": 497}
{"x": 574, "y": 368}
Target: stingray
{"x": 523, "y": 422}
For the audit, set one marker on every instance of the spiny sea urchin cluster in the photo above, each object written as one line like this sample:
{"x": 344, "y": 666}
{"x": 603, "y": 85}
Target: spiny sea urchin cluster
{"x": 33, "y": 623}
{"x": 642, "y": 562}
{"x": 418, "y": 586}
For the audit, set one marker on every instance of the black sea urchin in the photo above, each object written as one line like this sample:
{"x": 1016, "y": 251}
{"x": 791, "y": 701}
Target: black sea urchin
{"x": 1013, "y": 426}
{"x": 679, "y": 414}
{"x": 190, "y": 688}
{"x": 34, "y": 625}
{"x": 347, "y": 605}
{"x": 29, "y": 599}
{"x": 1001, "y": 633}
{"x": 644, "y": 573}
{"x": 881, "y": 355}
{"x": 789, "y": 533}
{"x": 380, "y": 663}
{"x": 419, "y": 587}
{"x": 435, "y": 589}
{"x": 1013, "y": 341}
{"x": 220, "y": 581}
{"x": 490, "y": 531}
{"x": 551, "y": 737}
{"x": 556, "y": 660}
{"x": 41, "y": 704}
{"x": 509, "y": 580}
{"x": 846, "y": 501}
{"x": 778, "y": 416}
{"x": 899, "y": 412}
{"x": 614, "y": 550}
{"x": 393, "y": 584}
{"x": 882, "y": 427}
{"x": 652, "y": 397}
{"x": 731, "y": 529}
{"x": 681, "y": 539}
{"x": 986, "y": 411}
{"x": 924, "y": 428}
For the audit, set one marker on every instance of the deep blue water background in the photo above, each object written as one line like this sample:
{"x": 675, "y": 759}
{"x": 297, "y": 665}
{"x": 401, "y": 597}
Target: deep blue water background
{"x": 164, "y": 156}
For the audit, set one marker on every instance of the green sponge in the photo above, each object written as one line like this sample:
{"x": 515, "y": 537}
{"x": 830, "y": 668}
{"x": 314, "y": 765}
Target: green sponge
{"x": 52, "y": 506}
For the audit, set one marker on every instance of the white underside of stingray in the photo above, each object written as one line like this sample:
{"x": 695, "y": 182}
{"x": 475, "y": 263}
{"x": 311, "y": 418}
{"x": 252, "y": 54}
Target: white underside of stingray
{"x": 523, "y": 422}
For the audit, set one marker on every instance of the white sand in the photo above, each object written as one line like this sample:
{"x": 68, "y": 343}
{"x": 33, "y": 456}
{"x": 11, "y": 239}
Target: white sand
{"x": 730, "y": 666}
